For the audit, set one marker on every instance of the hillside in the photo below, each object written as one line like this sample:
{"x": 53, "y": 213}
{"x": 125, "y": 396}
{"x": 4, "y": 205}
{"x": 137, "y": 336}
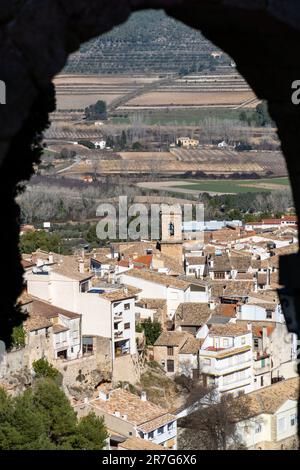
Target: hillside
{"x": 148, "y": 42}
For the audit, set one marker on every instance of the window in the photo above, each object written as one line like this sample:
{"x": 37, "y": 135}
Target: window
{"x": 170, "y": 426}
{"x": 84, "y": 286}
{"x": 207, "y": 362}
{"x": 126, "y": 306}
{"x": 219, "y": 275}
{"x": 293, "y": 420}
{"x": 161, "y": 430}
{"x": 256, "y": 343}
{"x": 269, "y": 313}
{"x": 126, "y": 326}
{"x": 243, "y": 340}
{"x": 170, "y": 365}
{"x": 151, "y": 435}
{"x": 170, "y": 351}
{"x": 281, "y": 425}
{"x": 226, "y": 343}
{"x": 258, "y": 428}
{"x": 262, "y": 381}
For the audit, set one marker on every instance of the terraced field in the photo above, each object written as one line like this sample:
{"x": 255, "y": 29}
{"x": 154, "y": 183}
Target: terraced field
{"x": 214, "y": 187}
{"x": 79, "y": 91}
{"x": 235, "y": 186}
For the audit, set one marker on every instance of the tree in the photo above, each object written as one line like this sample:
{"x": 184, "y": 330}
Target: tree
{"x": 18, "y": 337}
{"x": 96, "y": 111}
{"x": 91, "y": 433}
{"x": 262, "y": 114}
{"x": 213, "y": 426}
{"x": 32, "y": 241}
{"x": 123, "y": 140}
{"x": 42, "y": 419}
{"x": 43, "y": 369}
{"x": 67, "y": 153}
{"x": 137, "y": 146}
{"x": 152, "y": 330}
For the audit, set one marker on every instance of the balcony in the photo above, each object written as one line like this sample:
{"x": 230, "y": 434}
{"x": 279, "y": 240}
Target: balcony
{"x": 118, "y": 334}
{"x": 118, "y": 317}
{"x": 235, "y": 384}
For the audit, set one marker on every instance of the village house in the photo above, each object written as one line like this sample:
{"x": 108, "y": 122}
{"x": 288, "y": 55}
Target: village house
{"x": 271, "y": 421}
{"x": 177, "y": 352}
{"x": 129, "y": 415}
{"x": 187, "y": 142}
{"x": 226, "y": 359}
{"x": 159, "y": 286}
{"x": 192, "y": 317}
{"x": 108, "y": 312}
{"x": 284, "y": 221}
{"x": 195, "y": 266}
{"x": 61, "y": 326}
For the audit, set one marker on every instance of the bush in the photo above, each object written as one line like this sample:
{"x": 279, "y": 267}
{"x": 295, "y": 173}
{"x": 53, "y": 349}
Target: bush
{"x": 18, "y": 337}
{"x": 43, "y": 369}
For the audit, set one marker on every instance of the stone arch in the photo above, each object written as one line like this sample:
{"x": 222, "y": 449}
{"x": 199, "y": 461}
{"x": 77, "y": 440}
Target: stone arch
{"x": 38, "y": 35}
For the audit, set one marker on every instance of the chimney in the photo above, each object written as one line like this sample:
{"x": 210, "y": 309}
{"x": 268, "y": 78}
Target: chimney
{"x": 86, "y": 400}
{"x": 249, "y": 326}
{"x": 212, "y": 305}
{"x": 81, "y": 266}
{"x": 268, "y": 276}
{"x": 50, "y": 258}
{"x": 125, "y": 291}
{"x": 143, "y": 396}
{"x": 117, "y": 414}
{"x": 264, "y": 337}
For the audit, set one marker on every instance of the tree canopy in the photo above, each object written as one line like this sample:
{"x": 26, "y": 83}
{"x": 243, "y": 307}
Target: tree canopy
{"x": 43, "y": 419}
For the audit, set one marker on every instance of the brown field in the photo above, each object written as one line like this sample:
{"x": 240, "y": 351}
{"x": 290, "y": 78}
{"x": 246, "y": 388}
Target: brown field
{"x": 102, "y": 79}
{"x": 192, "y": 99}
{"x": 159, "y": 166}
{"x": 147, "y": 156}
{"x": 81, "y": 101}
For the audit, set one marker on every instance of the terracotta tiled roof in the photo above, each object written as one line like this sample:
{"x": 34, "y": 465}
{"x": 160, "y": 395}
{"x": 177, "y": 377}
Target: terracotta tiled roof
{"x": 191, "y": 346}
{"x": 240, "y": 263}
{"x": 59, "y": 328}
{"x": 43, "y": 309}
{"x": 171, "y": 338}
{"x": 144, "y": 260}
{"x": 226, "y": 310}
{"x": 35, "y": 322}
{"x": 145, "y": 415}
{"x": 196, "y": 260}
{"x": 269, "y": 399}
{"x": 121, "y": 294}
{"x": 192, "y": 314}
{"x": 230, "y": 329}
{"x": 136, "y": 443}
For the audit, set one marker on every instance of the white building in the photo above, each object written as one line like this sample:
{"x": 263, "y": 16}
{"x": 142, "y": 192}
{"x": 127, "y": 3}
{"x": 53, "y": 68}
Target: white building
{"x": 131, "y": 416}
{"x": 100, "y": 144}
{"x": 105, "y": 312}
{"x": 271, "y": 421}
{"x": 226, "y": 359}
{"x": 159, "y": 286}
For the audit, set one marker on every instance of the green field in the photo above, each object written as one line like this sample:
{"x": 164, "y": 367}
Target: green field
{"x": 187, "y": 116}
{"x": 237, "y": 186}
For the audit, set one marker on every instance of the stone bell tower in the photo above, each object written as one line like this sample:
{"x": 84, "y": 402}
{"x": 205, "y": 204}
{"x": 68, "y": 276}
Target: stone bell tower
{"x": 170, "y": 242}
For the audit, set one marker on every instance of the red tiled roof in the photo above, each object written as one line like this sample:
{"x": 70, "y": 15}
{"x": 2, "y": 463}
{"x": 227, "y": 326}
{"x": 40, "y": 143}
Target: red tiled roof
{"x": 144, "y": 260}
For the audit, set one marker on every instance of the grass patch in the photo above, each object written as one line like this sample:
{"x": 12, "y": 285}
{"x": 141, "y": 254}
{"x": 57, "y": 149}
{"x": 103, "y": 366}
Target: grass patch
{"x": 185, "y": 116}
{"x": 237, "y": 186}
